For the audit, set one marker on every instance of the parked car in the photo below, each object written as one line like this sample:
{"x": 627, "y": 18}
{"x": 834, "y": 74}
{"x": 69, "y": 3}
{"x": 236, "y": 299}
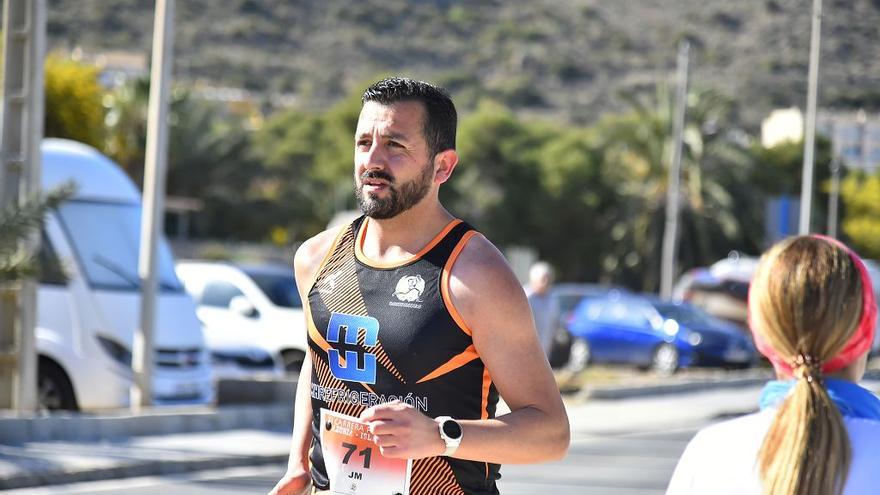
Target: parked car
{"x": 88, "y": 300}
{"x": 721, "y": 290}
{"x": 256, "y": 304}
{"x": 646, "y": 332}
{"x": 242, "y": 362}
{"x": 567, "y": 296}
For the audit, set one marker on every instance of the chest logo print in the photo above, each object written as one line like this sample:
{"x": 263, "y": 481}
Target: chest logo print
{"x": 328, "y": 285}
{"x": 348, "y": 328}
{"x": 410, "y": 288}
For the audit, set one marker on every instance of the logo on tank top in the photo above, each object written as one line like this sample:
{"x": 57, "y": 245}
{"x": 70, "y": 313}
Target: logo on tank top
{"x": 328, "y": 285}
{"x": 353, "y": 365}
{"x": 408, "y": 292}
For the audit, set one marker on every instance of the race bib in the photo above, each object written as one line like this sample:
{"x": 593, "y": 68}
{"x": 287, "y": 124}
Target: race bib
{"x": 354, "y": 464}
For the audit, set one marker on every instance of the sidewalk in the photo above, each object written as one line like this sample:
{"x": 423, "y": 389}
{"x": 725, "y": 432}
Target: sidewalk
{"x": 70, "y": 448}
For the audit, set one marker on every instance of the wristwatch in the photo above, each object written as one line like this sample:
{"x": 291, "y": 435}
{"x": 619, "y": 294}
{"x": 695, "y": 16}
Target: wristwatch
{"x": 450, "y": 432}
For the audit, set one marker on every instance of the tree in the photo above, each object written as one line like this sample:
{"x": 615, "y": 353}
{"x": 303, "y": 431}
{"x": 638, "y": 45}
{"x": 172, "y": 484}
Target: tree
{"x": 74, "y": 101}
{"x": 497, "y": 181}
{"x": 716, "y": 206}
{"x": 16, "y": 223}
{"x": 861, "y": 220}
{"x": 126, "y": 137}
{"x": 209, "y": 157}
{"x": 308, "y": 163}
{"x": 532, "y": 183}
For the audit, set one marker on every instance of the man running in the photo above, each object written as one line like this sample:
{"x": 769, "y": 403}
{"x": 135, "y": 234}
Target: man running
{"x": 419, "y": 377}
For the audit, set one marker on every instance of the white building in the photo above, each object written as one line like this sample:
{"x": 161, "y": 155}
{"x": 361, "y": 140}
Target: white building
{"x": 854, "y": 135}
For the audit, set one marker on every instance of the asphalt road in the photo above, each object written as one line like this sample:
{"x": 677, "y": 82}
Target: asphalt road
{"x": 618, "y": 447}
{"x": 607, "y": 464}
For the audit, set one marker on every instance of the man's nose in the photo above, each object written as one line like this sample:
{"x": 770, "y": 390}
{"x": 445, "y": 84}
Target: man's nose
{"x": 375, "y": 158}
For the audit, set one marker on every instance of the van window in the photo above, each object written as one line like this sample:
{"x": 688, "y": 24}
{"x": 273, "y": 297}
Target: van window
{"x": 219, "y": 294}
{"x": 50, "y": 269}
{"x": 106, "y": 237}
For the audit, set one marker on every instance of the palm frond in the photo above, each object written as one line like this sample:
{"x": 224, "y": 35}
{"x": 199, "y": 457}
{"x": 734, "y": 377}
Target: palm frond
{"x": 19, "y": 221}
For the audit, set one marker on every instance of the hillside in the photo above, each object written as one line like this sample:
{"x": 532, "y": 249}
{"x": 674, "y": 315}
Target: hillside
{"x": 562, "y": 58}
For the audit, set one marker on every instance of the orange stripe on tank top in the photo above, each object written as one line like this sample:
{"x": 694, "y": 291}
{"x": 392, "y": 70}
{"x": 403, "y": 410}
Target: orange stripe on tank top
{"x": 454, "y": 363}
{"x": 444, "y": 282}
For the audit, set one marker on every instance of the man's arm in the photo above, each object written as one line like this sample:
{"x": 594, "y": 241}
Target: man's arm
{"x": 492, "y": 303}
{"x": 296, "y": 480}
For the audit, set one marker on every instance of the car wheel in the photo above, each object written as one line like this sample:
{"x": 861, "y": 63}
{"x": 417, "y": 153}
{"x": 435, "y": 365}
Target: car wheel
{"x": 293, "y": 360}
{"x": 665, "y": 360}
{"x": 560, "y": 349}
{"x": 54, "y": 390}
{"x": 579, "y": 357}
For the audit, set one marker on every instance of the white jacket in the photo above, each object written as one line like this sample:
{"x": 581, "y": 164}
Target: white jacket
{"x": 721, "y": 459}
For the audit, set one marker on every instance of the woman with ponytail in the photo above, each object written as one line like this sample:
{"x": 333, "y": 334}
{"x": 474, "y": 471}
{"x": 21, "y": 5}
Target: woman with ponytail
{"x": 813, "y": 314}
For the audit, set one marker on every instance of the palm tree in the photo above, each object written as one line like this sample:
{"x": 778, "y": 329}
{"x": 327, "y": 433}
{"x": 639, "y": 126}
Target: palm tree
{"x": 715, "y": 166}
{"x": 16, "y": 223}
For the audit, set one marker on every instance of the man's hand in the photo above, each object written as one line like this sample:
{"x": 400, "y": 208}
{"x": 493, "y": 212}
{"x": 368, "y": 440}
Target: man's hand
{"x": 294, "y": 482}
{"x": 401, "y": 432}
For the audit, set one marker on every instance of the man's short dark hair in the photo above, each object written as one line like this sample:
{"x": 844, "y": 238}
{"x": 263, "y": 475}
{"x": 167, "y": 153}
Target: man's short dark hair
{"x": 441, "y": 118}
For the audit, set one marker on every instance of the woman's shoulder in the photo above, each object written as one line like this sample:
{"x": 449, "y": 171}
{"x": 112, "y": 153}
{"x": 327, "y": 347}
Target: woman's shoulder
{"x": 741, "y": 428}
{"x": 720, "y": 458}
{"x": 864, "y": 471}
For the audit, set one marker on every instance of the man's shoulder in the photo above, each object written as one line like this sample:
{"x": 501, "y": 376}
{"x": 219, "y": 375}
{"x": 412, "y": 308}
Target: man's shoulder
{"x": 479, "y": 255}
{"x": 481, "y": 269}
{"x": 311, "y": 253}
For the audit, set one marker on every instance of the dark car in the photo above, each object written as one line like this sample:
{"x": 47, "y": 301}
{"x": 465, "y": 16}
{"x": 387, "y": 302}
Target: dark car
{"x": 623, "y": 328}
{"x": 567, "y": 296}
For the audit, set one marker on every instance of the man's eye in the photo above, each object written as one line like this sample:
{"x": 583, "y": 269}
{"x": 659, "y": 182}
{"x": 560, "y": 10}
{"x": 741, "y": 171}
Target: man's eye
{"x": 363, "y": 144}
{"x": 394, "y": 144}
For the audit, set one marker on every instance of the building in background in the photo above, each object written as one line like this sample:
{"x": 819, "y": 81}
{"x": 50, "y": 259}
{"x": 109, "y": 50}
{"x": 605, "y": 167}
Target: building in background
{"x": 854, "y": 135}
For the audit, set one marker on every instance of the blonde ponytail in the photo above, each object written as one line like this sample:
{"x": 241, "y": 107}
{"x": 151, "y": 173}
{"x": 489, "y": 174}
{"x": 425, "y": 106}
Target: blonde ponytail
{"x": 806, "y": 299}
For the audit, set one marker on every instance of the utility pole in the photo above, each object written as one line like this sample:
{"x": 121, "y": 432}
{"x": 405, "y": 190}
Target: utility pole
{"x": 810, "y": 129}
{"x": 152, "y": 218}
{"x": 24, "y": 46}
{"x": 834, "y": 197}
{"x": 670, "y": 232}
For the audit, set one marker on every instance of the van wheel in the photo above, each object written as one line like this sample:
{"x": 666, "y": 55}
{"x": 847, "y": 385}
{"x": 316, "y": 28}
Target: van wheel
{"x": 54, "y": 390}
{"x": 293, "y": 360}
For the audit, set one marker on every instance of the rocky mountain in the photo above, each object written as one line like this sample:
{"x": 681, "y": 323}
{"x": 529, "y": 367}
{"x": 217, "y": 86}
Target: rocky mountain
{"x": 567, "y": 59}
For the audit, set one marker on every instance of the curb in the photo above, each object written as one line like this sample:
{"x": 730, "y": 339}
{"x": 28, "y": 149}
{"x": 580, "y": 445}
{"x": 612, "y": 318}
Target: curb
{"x": 871, "y": 381}
{"x": 89, "y": 428}
{"x": 666, "y": 389}
{"x": 136, "y": 469}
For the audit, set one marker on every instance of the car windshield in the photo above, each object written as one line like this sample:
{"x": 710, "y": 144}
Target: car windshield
{"x": 683, "y": 314}
{"x": 279, "y": 288}
{"x": 106, "y": 237}
{"x": 568, "y": 302}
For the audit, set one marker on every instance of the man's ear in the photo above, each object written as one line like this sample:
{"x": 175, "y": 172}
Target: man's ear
{"x": 444, "y": 164}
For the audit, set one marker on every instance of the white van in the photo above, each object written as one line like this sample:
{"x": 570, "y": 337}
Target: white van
{"x": 89, "y": 294}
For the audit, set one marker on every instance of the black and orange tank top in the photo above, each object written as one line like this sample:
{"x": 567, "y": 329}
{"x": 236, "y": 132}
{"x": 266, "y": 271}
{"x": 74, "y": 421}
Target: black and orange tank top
{"x": 411, "y": 344}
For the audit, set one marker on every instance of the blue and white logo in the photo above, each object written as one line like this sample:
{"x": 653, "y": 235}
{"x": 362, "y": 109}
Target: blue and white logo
{"x": 352, "y": 326}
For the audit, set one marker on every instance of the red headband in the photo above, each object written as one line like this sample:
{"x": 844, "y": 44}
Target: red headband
{"x": 858, "y": 344}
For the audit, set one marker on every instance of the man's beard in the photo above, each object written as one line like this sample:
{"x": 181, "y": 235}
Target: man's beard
{"x": 398, "y": 200}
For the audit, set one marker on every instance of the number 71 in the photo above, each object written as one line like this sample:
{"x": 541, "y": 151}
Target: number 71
{"x": 351, "y": 448}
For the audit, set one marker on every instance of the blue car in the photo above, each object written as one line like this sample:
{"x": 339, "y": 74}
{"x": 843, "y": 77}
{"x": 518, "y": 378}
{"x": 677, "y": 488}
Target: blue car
{"x": 646, "y": 332}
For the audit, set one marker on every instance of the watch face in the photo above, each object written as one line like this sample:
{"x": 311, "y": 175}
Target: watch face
{"x": 452, "y": 429}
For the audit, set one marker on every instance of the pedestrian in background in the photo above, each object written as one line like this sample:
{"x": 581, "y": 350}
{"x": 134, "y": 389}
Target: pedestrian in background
{"x": 812, "y": 312}
{"x": 545, "y": 308}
